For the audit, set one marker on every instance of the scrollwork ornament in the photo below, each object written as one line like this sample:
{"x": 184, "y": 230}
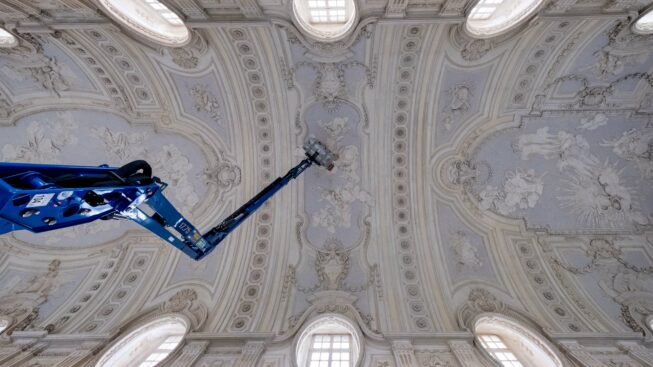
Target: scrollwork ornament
{"x": 331, "y": 51}
{"x": 186, "y": 302}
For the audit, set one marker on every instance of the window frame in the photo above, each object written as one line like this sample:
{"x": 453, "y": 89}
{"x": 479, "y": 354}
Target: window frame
{"x": 528, "y": 345}
{"x": 646, "y": 13}
{"x": 147, "y": 22}
{"x": 494, "y": 350}
{"x": 328, "y": 7}
{"x": 330, "y": 350}
{"x": 495, "y": 28}
{"x": 324, "y": 31}
{"x": 129, "y": 342}
{"x": 151, "y": 361}
{"x": 327, "y": 323}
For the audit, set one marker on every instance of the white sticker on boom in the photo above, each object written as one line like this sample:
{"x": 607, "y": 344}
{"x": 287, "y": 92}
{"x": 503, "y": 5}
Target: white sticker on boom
{"x": 64, "y": 195}
{"x": 40, "y": 200}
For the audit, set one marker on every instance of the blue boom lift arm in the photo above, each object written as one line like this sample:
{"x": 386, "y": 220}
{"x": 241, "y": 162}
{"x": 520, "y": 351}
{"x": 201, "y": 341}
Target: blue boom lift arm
{"x": 40, "y": 198}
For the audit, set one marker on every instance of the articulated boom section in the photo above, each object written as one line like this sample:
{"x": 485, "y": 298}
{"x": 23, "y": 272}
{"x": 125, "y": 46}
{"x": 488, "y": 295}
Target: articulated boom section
{"x": 42, "y": 198}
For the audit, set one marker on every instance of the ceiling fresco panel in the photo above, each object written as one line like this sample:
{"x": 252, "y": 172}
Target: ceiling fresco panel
{"x": 570, "y": 173}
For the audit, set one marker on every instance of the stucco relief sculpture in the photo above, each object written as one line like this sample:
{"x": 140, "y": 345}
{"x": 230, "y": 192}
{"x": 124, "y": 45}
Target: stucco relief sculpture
{"x": 187, "y": 302}
{"x": 168, "y": 162}
{"x": 624, "y": 49}
{"x": 595, "y": 189}
{"x": 601, "y": 198}
{"x": 336, "y": 213}
{"x": 593, "y": 123}
{"x": 571, "y": 151}
{"x": 591, "y": 95}
{"x": 471, "y": 49}
{"x": 628, "y": 285}
{"x": 330, "y": 84}
{"x": 29, "y": 61}
{"x": 459, "y": 103}
{"x": 44, "y": 141}
{"x": 205, "y": 102}
{"x": 434, "y": 360}
{"x": 330, "y": 87}
{"x": 465, "y": 253}
{"x": 225, "y": 175}
{"x": 635, "y": 145}
{"x": 467, "y": 173}
{"x": 521, "y": 190}
{"x": 188, "y": 57}
{"x": 20, "y": 303}
{"x": 332, "y": 267}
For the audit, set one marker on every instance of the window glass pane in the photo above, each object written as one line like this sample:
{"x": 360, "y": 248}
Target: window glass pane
{"x": 491, "y": 17}
{"x": 327, "y": 11}
{"x": 498, "y": 350}
{"x": 6, "y": 40}
{"x": 330, "y": 350}
{"x": 645, "y": 23}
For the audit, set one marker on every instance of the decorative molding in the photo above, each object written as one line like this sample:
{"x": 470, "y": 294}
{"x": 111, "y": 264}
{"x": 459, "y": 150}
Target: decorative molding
{"x": 328, "y": 51}
{"x": 404, "y": 353}
{"x": 452, "y": 8}
{"x": 250, "y": 63}
{"x": 637, "y": 351}
{"x": 190, "y": 353}
{"x": 580, "y": 354}
{"x": 411, "y": 45}
{"x": 465, "y": 353}
{"x": 185, "y": 302}
{"x": 396, "y": 8}
{"x": 251, "y": 354}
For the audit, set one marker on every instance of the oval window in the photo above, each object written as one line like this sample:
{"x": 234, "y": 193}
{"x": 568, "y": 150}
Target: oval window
{"x": 644, "y": 25}
{"x": 147, "y": 345}
{"x": 150, "y": 19}
{"x": 490, "y": 18}
{"x": 7, "y": 39}
{"x": 325, "y": 20}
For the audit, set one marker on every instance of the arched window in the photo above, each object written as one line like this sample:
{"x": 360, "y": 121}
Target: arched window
{"x": 7, "y": 39}
{"x": 149, "y": 18}
{"x": 329, "y": 341}
{"x": 325, "y": 20}
{"x": 644, "y": 24}
{"x": 513, "y": 345}
{"x": 498, "y": 349}
{"x": 147, "y": 345}
{"x": 489, "y": 18}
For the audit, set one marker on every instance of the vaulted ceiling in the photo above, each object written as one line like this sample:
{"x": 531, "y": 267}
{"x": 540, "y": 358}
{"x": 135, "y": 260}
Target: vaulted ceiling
{"x": 514, "y": 172}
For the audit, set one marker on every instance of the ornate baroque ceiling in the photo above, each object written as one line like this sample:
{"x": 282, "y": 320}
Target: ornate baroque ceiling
{"x": 511, "y": 175}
